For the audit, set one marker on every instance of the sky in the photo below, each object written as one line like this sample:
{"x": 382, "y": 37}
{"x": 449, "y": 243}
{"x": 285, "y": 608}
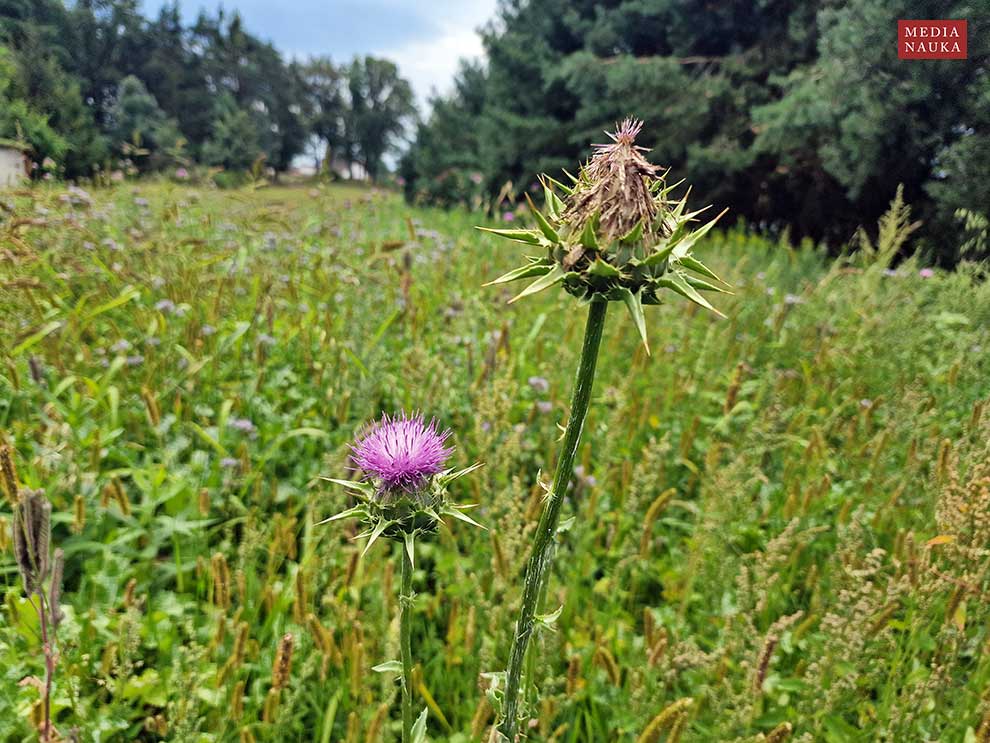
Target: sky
{"x": 426, "y": 38}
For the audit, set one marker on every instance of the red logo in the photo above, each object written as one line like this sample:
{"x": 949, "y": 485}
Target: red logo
{"x": 931, "y": 39}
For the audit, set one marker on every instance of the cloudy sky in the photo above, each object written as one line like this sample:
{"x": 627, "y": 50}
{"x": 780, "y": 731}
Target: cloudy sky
{"x": 426, "y": 38}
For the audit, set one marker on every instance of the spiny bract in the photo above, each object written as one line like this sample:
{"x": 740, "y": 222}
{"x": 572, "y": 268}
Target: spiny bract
{"x": 616, "y": 235}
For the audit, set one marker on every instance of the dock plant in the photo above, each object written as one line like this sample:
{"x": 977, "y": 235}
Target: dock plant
{"x": 616, "y": 234}
{"x": 403, "y": 497}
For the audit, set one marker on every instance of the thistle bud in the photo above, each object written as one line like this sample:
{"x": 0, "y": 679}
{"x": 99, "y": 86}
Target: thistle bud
{"x": 404, "y": 492}
{"x": 616, "y": 234}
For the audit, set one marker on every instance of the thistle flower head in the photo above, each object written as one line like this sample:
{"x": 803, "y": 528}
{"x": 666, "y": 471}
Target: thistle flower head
{"x": 404, "y": 490}
{"x": 616, "y": 234}
{"x": 401, "y": 452}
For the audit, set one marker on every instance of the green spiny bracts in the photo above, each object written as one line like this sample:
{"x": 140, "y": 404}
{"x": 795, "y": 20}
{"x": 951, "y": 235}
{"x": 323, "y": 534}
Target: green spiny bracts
{"x": 616, "y": 234}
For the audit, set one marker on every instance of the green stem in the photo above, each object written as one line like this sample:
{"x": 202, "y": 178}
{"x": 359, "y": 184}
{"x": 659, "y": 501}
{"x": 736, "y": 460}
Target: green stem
{"x": 405, "y": 643}
{"x": 542, "y": 553}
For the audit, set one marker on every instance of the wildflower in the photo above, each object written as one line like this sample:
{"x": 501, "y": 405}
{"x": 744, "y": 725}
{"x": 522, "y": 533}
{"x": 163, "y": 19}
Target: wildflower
{"x": 544, "y": 406}
{"x": 926, "y": 273}
{"x": 508, "y": 217}
{"x": 403, "y": 495}
{"x": 207, "y": 330}
{"x": 243, "y": 425}
{"x": 401, "y": 452}
{"x": 165, "y": 305}
{"x": 230, "y": 463}
{"x": 181, "y": 173}
{"x": 120, "y": 346}
{"x": 135, "y": 360}
{"x": 266, "y": 340}
{"x": 539, "y": 384}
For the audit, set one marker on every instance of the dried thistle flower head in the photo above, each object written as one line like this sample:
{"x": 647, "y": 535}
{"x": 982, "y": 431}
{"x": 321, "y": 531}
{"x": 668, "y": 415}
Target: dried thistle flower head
{"x": 616, "y": 234}
{"x": 32, "y": 537}
{"x": 404, "y": 489}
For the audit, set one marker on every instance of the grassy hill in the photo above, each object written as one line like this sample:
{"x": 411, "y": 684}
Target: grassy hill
{"x": 781, "y": 516}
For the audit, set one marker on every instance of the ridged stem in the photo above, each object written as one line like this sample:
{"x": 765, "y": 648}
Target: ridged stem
{"x": 541, "y": 555}
{"x": 405, "y": 644}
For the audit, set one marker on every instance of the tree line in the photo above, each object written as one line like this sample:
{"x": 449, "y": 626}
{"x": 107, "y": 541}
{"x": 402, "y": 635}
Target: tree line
{"x": 93, "y": 84}
{"x": 796, "y": 114}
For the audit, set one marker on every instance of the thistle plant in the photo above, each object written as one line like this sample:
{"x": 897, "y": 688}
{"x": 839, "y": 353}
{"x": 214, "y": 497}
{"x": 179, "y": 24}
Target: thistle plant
{"x": 403, "y": 497}
{"x": 616, "y": 234}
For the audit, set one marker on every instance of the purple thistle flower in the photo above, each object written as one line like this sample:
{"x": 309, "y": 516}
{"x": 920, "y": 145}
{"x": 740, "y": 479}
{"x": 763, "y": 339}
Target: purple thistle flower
{"x": 402, "y": 451}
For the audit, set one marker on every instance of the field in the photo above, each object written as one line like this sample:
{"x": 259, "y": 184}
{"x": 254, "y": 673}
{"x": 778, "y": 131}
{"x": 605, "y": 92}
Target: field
{"x": 781, "y": 517}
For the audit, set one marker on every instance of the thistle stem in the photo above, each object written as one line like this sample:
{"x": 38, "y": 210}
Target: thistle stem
{"x": 405, "y": 643}
{"x": 541, "y": 555}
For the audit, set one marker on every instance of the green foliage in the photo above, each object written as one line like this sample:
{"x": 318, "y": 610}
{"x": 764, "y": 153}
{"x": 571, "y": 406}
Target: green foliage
{"x": 179, "y": 366}
{"x": 798, "y": 115}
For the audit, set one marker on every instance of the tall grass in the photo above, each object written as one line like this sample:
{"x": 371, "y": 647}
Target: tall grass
{"x": 784, "y": 529}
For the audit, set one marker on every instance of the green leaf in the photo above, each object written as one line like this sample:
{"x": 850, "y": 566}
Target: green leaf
{"x": 634, "y": 303}
{"x": 452, "y": 511}
{"x": 366, "y": 489}
{"x": 389, "y": 666}
{"x": 380, "y": 527}
{"x": 634, "y": 235}
{"x": 523, "y": 272}
{"x": 555, "y": 275}
{"x": 588, "y": 237}
{"x": 549, "y": 232}
{"x": 682, "y": 248}
{"x": 409, "y": 540}
{"x": 604, "y": 270}
{"x": 697, "y": 266}
{"x": 36, "y": 337}
{"x": 705, "y": 286}
{"x": 530, "y": 237}
{"x": 677, "y": 283}
{"x": 355, "y": 511}
{"x": 419, "y": 727}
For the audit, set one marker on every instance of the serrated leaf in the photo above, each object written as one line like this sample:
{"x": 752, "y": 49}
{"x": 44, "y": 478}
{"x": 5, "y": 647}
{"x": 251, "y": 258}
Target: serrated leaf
{"x": 676, "y": 282}
{"x": 530, "y": 237}
{"x": 634, "y": 235}
{"x": 547, "y": 620}
{"x": 548, "y": 231}
{"x": 555, "y": 275}
{"x": 634, "y": 304}
{"x": 389, "y": 666}
{"x": 523, "y": 272}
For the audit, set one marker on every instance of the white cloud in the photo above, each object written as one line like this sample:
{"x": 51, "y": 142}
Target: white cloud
{"x": 430, "y": 64}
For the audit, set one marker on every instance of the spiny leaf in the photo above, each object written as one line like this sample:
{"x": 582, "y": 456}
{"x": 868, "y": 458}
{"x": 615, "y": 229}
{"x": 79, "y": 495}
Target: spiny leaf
{"x": 523, "y": 272}
{"x": 604, "y": 270}
{"x": 380, "y": 527}
{"x": 634, "y": 235}
{"x": 548, "y": 231}
{"x": 684, "y": 246}
{"x": 452, "y": 511}
{"x": 634, "y": 303}
{"x": 689, "y": 261}
{"x": 555, "y": 275}
{"x": 355, "y": 511}
{"x": 677, "y": 283}
{"x": 389, "y": 666}
{"x": 530, "y": 237}
{"x": 588, "y": 237}
{"x": 705, "y": 286}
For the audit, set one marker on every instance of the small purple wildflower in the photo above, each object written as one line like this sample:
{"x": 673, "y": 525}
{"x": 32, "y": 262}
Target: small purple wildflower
{"x": 135, "y": 360}
{"x": 243, "y": 425}
{"x": 229, "y": 463}
{"x": 207, "y": 330}
{"x": 402, "y": 451}
{"x": 539, "y": 384}
{"x": 266, "y": 340}
{"x": 926, "y": 273}
{"x": 544, "y": 406}
{"x": 165, "y": 305}
{"x": 508, "y": 217}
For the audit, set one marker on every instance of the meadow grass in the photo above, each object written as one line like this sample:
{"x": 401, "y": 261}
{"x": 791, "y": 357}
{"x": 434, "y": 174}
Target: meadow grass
{"x": 784, "y": 515}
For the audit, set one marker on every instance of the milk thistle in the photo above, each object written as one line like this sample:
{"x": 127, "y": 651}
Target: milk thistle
{"x": 615, "y": 235}
{"x": 401, "y": 497}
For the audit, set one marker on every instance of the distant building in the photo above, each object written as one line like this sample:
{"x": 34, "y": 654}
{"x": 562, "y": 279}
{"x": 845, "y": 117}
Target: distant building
{"x": 13, "y": 163}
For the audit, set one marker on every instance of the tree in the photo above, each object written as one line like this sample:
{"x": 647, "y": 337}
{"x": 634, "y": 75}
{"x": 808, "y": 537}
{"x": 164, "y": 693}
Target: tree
{"x": 325, "y": 87}
{"x": 234, "y": 141}
{"x": 381, "y": 107}
{"x": 136, "y": 119}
